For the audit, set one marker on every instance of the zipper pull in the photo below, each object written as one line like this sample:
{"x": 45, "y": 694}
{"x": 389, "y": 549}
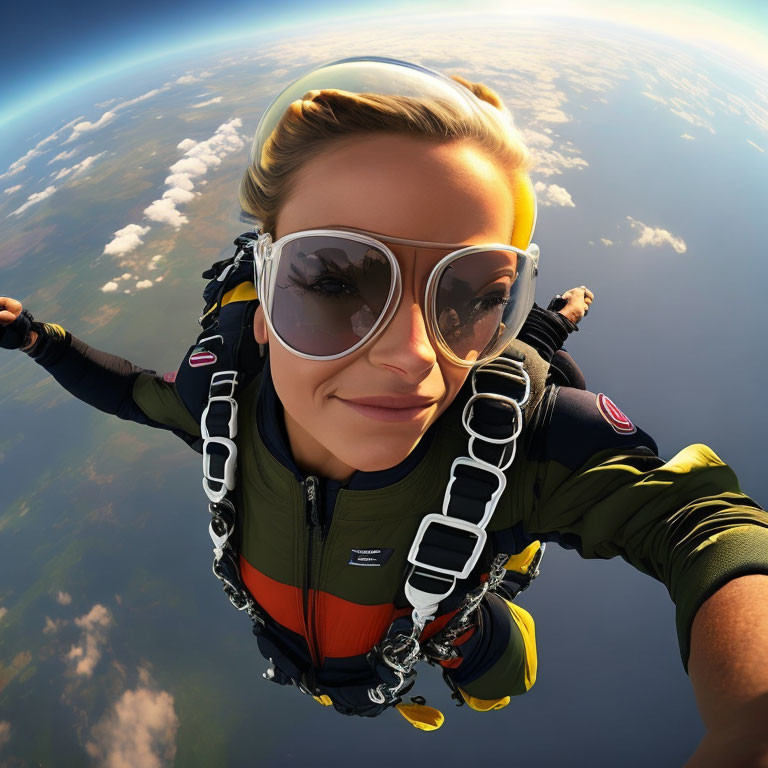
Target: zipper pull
{"x": 310, "y": 484}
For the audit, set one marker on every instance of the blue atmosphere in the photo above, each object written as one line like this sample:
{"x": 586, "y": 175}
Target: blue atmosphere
{"x": 126, "y": 130}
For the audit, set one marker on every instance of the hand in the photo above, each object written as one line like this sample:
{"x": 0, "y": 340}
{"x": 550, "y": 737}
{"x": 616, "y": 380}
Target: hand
{"x": 577, "y": 303}
{"x": 15, "y": 325}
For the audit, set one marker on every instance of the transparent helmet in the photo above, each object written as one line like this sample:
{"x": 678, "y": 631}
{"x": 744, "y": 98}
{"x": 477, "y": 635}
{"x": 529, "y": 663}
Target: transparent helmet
{"x": 387, "y": 76}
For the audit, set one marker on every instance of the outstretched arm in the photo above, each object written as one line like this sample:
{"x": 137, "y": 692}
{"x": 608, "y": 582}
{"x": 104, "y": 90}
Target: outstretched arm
{"x": 728, "y": 667}
{"x": 107, "y": 382}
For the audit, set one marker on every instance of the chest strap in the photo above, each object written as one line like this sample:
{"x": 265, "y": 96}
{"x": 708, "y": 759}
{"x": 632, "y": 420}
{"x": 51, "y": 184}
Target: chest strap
{"x": 448, "y": 544}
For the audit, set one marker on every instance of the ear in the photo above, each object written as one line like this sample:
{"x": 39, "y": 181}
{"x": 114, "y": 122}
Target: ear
{"x": 260, "y": 326}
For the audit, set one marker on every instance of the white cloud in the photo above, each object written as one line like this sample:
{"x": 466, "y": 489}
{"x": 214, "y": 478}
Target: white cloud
{"x": 124, "y": 276}
{"x": 143, "y": 97}
{"x": 87, "y": 126}
{"x": 52, "y": 626}
{"x": 606, "y": 241}
{"x": 178, "y": 195}
{"x": 656, "y": 236}
{"x": 138, "y": 732}
{"x": 180, "y": 180}
{"x": 749, "y": 141}
{"x": 94, "y": 624}
{"x": 188, "y": 79}
{"x": 198, "y": 158}
{"x": 11, "y": 190}
{"x": 19, "y": 165}
{"x": 33, "y": 199}
{"x": 164, "y": 211}
{"x": 125, "y": 240}
{"x": 144, "y": 284}
{"x": 5, "y": 732}
{"x": 215, "y": 100}
{"x": 553, "y": 195}
{"x": 3, "y": 611}
{"x": 551, "y": 162}
{"x": 687, "y": 136}
{"x": 159, "y": 279}
{"x": 535, "y": 138}
{"x": 109, "y": 287}
{"x": 64, "y": 155}
{"x": 83, "y": 165}
{"x": 63, "y": 598}
{"x": 154, "y": 260}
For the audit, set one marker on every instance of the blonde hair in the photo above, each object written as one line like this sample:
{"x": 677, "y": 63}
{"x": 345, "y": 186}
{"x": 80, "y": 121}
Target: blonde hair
{"x": 310, "y": 125}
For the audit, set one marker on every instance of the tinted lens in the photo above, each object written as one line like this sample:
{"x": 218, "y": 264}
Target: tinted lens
{"x": 330, "y": 293}
{"x": 475, "y": 297}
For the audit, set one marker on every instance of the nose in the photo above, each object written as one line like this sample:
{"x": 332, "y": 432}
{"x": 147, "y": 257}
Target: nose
{"x": 404, "y": 346}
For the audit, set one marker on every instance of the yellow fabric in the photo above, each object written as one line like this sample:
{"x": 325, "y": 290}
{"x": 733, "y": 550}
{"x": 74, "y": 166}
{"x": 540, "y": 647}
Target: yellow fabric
{"x": 421, "y": 716}
{"x": 55, "y": 330}
{"x": 484, "y": 705}
{"x": 525, "y": 212}
{"x": 525, "y": 624}
{"x": 244, "y": 291}
{"x": 324, "y": 700}
{"x": 522, "y": 560}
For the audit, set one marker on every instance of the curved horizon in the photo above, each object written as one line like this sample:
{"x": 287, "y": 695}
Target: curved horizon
{"x": 736, "y": 30}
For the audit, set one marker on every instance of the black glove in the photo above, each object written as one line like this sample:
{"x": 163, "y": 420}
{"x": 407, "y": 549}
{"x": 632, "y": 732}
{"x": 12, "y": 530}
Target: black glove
{"x": 16, "y": 334}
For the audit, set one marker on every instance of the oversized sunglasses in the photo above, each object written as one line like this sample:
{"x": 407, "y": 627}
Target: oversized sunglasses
{"x": 327, "y": 292}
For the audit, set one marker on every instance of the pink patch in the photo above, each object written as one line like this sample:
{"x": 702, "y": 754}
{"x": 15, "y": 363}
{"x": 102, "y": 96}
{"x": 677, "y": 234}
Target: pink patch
{"x": 202, "y": 358}
{"x": 611, "y": 412}
{"x": 170, "y": 377}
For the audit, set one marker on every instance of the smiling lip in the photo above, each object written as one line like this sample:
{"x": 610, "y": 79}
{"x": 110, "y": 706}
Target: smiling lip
{"x": 384, "y": 408}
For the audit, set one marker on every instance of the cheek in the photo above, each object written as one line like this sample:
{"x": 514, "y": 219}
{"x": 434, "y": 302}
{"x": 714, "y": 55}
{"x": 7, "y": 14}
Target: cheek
{"x": 454, "y": 377}
{"x": 300, "y": 384}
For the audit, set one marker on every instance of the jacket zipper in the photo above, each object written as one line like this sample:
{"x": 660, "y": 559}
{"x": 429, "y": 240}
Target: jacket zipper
{"x": 314, "y": 542}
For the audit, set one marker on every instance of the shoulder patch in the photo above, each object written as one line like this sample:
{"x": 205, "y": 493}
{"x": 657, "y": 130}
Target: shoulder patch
{"x": 614, "y": 415}
{"x": 201, "y": 356}
{"x": 169, "y": 377}
{"x": 583, "y": 423}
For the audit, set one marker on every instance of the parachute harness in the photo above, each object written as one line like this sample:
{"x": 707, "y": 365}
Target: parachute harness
{"x": 447, "y": 545}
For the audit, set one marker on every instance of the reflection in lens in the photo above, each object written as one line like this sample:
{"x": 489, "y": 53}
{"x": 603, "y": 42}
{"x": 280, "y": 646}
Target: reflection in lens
{"x": 329, "y": 293}
{"x": 475, "y": 296}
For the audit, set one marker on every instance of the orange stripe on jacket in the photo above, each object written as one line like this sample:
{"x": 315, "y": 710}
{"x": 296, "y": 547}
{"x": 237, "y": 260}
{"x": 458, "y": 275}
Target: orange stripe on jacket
{"x": 344, "y": 628}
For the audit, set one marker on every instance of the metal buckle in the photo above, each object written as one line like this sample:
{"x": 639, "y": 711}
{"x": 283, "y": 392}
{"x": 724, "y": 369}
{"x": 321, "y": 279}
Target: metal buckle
{"x": 509, "y": 369}
{"x": 450, "y": 522}
{"x": 231, "y": 426}
{"x": 225, "y": 377}
{"x": 490, "y": 505}
{"x": 230, "y": 463}
{"x": 425, "y": 603}
{"x": 465, "y": 416}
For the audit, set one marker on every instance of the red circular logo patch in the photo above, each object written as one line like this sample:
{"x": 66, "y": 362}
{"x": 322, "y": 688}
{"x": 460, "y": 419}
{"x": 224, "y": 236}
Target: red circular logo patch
{"x": 611, "y": 412}
{"x": 170, "y": 377}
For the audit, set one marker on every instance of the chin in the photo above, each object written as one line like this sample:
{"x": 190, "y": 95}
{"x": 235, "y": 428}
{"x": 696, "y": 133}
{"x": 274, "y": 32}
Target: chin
{"x": 379, "y": 461}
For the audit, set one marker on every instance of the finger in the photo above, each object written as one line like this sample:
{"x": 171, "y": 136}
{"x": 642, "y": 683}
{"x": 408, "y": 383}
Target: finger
{"x": 6, "y": 318}
{"x": 11, "y": 305}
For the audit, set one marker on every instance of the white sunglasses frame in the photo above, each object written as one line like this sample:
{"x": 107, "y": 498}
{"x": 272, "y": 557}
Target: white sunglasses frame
{"x": 267, "y": 256}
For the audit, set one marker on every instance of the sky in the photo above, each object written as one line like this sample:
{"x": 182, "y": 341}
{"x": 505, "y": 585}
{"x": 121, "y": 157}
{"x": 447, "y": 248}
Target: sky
{"x": 51, "y": 47}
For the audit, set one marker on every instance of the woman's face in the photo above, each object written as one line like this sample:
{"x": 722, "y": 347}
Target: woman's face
{"x": 404, "y": 187}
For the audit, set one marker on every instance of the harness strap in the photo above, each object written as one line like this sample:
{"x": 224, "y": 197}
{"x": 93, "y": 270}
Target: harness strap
{"x": 448, "y": 545}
